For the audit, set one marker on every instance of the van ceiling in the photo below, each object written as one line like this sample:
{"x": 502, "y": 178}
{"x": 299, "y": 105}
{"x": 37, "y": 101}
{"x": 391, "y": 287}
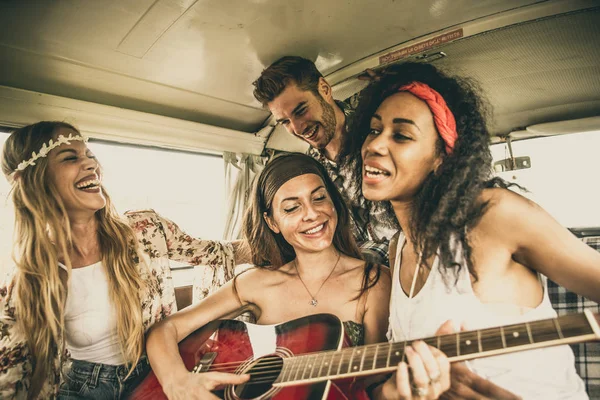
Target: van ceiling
{"x": 535, "y": 72}
{"x": 532, "y": 72}
{"x": 195, "y": 60}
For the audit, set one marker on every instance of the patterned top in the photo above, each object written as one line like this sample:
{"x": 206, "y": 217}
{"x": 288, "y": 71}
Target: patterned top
{"x": 160, "y": 240}
{"x": 587, "y": 355}
{"x": 356, "y": 332}
{"x": 372, "y": 224}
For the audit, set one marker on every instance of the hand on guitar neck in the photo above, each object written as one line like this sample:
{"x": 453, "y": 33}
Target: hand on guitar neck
{"x": 465, "y": 384}
{"x": 429, "y": 374}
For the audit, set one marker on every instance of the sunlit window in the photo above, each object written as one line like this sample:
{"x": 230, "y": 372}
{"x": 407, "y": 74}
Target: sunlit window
{"x": 562, "y": 177}
{"x": 187, "y": 188}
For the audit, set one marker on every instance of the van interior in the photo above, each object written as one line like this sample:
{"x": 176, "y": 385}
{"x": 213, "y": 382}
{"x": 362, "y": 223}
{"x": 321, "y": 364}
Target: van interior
{"x": 164, "y": 90}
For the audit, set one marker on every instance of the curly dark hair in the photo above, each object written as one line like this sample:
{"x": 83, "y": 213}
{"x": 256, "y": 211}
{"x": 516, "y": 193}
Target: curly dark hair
{"x": 447, "y": 205}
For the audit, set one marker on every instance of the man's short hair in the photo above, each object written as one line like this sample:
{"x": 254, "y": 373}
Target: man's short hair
{"x": 289, "y": 69}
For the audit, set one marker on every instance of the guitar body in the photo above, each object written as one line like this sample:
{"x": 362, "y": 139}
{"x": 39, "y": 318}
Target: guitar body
{"x": 238, "y": 347}
{"x": 299, "y": 359}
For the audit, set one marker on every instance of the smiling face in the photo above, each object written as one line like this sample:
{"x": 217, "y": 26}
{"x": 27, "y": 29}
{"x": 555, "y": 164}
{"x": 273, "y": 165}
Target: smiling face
{"x": 306, "y": 115}
{"x": 74, "y": 171}
{"x": 401, "y": 150}
{"x": 303, "y": 212}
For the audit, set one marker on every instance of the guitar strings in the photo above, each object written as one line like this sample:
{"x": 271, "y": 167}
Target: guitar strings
{"x": 489, "y": 339}
{"x": 267, "y": 362}
{"x": 275, "y": 363}
{"x": 269, "y": 375}
{"x": 487, "y": 334}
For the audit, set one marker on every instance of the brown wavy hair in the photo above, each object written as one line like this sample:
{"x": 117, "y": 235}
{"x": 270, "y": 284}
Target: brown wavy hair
{"x": 269, "y": 249}
{"x": 289, "y": 69}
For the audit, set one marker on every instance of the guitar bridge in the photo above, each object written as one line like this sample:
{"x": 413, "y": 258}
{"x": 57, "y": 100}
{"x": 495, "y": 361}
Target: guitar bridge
{"x": 205, "y": 363}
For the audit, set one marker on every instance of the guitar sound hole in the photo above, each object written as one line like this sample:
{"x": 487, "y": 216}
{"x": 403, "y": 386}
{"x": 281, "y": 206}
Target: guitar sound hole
{"x": 262, "y": 375}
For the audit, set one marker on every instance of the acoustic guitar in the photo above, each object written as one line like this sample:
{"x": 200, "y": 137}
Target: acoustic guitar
{"x": 309, "y": 358}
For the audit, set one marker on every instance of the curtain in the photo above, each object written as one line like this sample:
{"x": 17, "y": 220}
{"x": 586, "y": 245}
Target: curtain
{"x": 240, "y": 170}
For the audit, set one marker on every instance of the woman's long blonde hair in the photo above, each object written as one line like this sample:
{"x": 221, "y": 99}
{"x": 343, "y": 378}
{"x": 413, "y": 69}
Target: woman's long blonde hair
{"x": 42, "y": 234}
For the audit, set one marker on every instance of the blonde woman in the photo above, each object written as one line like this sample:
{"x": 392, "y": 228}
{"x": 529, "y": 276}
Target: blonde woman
{"x": 88, "y": 282}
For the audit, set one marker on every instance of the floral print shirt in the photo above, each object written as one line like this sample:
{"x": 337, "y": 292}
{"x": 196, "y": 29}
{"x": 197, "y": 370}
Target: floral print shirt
{"x": 160, "y": 240}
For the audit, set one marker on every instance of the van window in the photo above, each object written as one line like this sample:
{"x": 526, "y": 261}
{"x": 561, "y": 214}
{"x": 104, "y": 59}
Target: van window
{"x": 562, "y": 177}
{"x": 187, "y": 188}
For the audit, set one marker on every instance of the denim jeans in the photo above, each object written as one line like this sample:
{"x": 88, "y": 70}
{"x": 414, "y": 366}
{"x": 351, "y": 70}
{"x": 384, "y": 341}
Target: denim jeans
{"x": 87, "y": 380}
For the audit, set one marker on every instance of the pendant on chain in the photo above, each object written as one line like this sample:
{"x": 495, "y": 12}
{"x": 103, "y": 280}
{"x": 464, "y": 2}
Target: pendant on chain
{"x": 313, "y": 302}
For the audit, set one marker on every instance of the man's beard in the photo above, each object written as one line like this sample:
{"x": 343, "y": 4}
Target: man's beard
{"x": 327, "y": 122}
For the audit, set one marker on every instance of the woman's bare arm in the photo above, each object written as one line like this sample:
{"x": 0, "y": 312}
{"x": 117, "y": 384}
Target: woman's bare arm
{"x": 163, "y": 338}
{"x": 540, "y": 243}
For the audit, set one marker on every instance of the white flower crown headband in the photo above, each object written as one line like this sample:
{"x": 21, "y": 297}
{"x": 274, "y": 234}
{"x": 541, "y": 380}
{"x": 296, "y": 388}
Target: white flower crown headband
{"x": 46, "y": 148}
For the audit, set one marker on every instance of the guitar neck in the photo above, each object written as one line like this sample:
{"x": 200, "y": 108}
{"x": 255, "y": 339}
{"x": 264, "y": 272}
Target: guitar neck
{"x": 461, "y": 346}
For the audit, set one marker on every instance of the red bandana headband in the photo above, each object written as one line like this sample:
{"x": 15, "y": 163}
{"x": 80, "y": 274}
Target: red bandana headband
{"x": 442, "y": 116}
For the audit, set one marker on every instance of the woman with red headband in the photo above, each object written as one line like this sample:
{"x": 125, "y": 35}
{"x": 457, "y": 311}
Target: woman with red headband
{"x": 469, "y": 250}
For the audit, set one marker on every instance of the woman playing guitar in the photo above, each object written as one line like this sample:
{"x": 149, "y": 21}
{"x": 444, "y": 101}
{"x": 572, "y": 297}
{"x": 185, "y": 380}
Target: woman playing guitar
{"x": 306, "y": 263}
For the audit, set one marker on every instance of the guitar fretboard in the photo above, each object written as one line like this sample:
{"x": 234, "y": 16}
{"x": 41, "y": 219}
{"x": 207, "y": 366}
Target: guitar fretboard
{"x": 382, "y": 357}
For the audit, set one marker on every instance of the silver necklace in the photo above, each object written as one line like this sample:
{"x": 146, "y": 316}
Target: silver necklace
{"x": 313, "y": 301}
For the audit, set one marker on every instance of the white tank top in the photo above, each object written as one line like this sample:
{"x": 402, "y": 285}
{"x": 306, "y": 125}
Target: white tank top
{"x": 90, "y": 320}
{"x": 534, "y": 374}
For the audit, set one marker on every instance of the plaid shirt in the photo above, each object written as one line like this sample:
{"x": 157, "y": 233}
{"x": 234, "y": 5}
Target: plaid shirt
{"x": 369, "y": 226}
{"x": 587, "y": 355}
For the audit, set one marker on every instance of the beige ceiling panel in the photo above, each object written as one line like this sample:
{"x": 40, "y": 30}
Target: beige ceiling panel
{"x": 281, "y": 139}
{"x": 543, "y": 69}
{"x": 161, "y": 15}
{"x": 561, "y": 112}
{"x": 534, "y": 72}
{"x": 64, "y": 78}
{"x": 212, "y": 49}
{"x": 195, "y": 60}
{"x": 20, "y": 107}
{"x": 590, "y": 124}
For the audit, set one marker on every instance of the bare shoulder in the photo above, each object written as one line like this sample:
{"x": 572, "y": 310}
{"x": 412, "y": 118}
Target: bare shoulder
{"x": 517, "y": 223}
{"x": 354, "y": 271}
{"x": 378, "y": 296}
{"x": 384, "y": 272}
{"x": 255, "y": 274}
{"x": 384, "y": 279}
{"x": 506, "y": 208}
{"x": 256, "y": 279}
{"x": 505, "y": 201}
